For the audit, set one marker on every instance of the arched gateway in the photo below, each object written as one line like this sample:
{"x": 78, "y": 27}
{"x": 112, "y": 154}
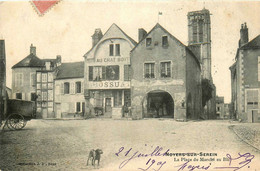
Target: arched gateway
{"x": 158, "y": 104}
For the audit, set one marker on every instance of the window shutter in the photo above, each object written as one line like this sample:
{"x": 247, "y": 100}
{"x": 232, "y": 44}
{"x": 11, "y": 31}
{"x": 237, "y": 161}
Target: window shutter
{"x": 90, "y": 73}
{"x": 103, "y": 72}
{"x": 75, "y": 105}
{"x": 62, "y": 88}
{"x": 82, "y": 86}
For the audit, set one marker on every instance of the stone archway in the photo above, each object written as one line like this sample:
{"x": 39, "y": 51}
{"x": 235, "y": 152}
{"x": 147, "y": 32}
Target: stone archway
{"x": 158, "y": 104}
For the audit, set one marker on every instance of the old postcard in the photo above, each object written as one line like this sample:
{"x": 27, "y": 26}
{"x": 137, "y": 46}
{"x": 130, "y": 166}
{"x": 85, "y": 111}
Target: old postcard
{"x": 130, "y": 85}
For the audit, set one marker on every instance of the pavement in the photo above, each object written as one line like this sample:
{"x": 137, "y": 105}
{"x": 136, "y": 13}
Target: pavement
{"x": 249, "y": 133}
{"x": 65, "y": 144}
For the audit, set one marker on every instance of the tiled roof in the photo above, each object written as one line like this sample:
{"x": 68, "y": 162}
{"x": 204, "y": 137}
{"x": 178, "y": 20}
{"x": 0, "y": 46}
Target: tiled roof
{"x": 30, "y": 61}
{"x": 70, "y": 70}
{"x": 253, "y": 44}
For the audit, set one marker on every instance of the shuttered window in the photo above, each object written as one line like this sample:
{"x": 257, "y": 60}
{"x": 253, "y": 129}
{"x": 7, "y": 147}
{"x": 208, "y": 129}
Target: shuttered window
{"x": 111, "y": 50}
{"x": 90, "y": 73}
{"x": 127, "y": 75}
{"x": 117, "y": 49}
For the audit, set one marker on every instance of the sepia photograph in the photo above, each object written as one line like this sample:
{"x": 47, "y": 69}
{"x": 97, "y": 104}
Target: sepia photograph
{"x": 125, "y": 85}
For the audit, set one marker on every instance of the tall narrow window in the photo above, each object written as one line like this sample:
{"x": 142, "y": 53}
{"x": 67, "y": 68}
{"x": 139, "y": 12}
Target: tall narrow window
{"x": 195, "y": 31}
{"x": 252, "y": 99}
{"x": 90, "y": 73}
{"x": 200, "y": 30}
{"x": 165, "y": 69}
{"x": 18, "y": 79}
{"x": 117, "y": 49}
{"x": 78, "y": 107}
{"x": 78, "y": 87}
{"x": 18, "y": 95}
{"x": 149, "y": 70}
{"x": 66, "y": 88}
{"x": 165, "y": 40}
{"x": 148, "y": 42}
{"x": 111, "y": 50}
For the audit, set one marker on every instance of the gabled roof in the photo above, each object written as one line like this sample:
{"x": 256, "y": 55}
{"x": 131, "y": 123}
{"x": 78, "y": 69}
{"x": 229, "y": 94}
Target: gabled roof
{"x": 253, "y": 44}
{"x": 113, "y": 25}
{"x": 29, "y": 61}
{"x": 70, "y": 70}
{"x": 159, "y": 26}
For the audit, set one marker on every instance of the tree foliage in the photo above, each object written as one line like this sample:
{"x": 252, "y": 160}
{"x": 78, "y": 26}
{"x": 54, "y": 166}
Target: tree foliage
{"x": 207, "y": 90}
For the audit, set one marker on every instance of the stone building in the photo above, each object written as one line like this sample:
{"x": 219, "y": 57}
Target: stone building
{"x": 69, "y": 90}
{"x": 166, "y": 77}
{"x": 27, "y": 86}
{"x": 106, "y": 72}
{"x": 245, "y": 79}
{"x": 199, "y": 34}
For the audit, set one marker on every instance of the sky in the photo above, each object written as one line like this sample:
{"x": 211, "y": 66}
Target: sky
{"x": 66, "y": 28}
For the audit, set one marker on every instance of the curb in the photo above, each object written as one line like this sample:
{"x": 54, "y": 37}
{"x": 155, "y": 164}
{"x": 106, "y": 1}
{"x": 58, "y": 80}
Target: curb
{"x": 245, "y": 141}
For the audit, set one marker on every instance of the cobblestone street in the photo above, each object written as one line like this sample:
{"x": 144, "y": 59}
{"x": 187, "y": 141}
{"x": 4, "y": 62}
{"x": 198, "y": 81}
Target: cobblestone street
{"x": 65, "y": 144}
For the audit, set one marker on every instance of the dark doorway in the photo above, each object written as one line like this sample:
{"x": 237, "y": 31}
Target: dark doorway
{"x": 159, "y": 104}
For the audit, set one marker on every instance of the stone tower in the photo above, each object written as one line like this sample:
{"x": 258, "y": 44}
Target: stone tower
{"x": 199, "y": 33}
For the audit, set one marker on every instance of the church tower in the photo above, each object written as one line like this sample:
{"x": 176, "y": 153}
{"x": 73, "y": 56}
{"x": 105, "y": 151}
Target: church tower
{"x": 199, "y": 33}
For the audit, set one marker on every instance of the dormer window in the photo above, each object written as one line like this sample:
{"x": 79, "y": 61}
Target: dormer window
{"x": 148, "y": 42}
{"x": 111, "y": 50}
{"x": 117, "y": 49}
{"x": 165, "y": 41}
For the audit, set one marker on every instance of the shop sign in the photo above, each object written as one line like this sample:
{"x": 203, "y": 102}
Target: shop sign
{"x": 109, "y": 84}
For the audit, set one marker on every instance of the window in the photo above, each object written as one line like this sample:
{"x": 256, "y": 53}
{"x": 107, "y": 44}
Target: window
{"x": 200, "y": 30}
{"x": 18, "y": 79}
{"x": 44, "y": 77}
{"x": 165, "y": 69}
{"x": 111, "y": 50}
{"x": 148, "y": 42}
{"x": 127, "y": 75}
{"x": 117, "y": 49}
{"x": 33, "y": 79}
{"x": 83, "y": 107}
{"x": 165, "y": 40}
{"x": 194, "y": 31}
{"x": 149, "y": 70}
{"x": 218, "y": 109}
{"x": 19, "y": 96}
{"x": 98, "y": 73}
{"x": 252, "y": 99}
{"x": 33, "y": 96}
{"x": 258, "y": 68}
{"x": 78, "y": 107}
{"x": 78, "y": 87}
{"x": 112, "y": 72}
{"x": 117, "y": 98}
{"x": 66, "y": 88}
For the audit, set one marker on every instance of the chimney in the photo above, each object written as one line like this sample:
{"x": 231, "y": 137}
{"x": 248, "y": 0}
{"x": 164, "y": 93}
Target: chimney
{"x": 33, "y": 50}
{"x": 58, "y": 60}
{"x": 96, "y": 36}
{"x": 141, "y": 34}
{"x": 243, "y": 35}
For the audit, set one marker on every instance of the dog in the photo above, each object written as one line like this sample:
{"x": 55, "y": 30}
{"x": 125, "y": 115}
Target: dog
{"x": 94, "y": 155}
